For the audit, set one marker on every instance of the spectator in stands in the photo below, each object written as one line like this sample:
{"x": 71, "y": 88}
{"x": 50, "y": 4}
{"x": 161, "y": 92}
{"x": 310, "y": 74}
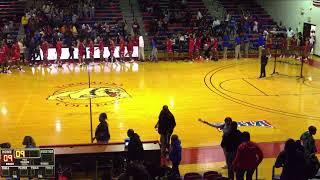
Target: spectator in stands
{"x": 141, "y": 48}
{"x": 175, "y": 154}
{"x": 263, "y": 63}
{"x": 165, "y": 125}
{"x": 102, "y": 134}
{"x": 135, "y": 27}
{"x": 308, "y": 141}
{"x": 230, "y": 142}
{"x": 293, "y": 162}
{"x": 28, "y": 142}
{"x": 247, "y": 159}
{"x": 237, "y": 47}
{"x": 135, "y": 147}
{"x": 24, "y": 21}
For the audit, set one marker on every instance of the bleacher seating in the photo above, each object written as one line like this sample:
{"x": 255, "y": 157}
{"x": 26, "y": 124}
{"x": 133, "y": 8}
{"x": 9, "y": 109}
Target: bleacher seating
{"x": 234, "y": 7}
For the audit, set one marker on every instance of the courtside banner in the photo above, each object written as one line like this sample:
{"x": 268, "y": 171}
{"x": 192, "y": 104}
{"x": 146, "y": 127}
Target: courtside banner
{"x": 52, "y": 53}
{"x": 316, "y": 3}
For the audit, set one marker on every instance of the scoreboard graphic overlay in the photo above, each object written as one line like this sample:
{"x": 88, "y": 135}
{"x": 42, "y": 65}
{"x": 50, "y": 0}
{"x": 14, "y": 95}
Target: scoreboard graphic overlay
{"x": 30, "y": 162}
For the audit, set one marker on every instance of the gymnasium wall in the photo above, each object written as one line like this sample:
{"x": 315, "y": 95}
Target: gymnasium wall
{"x": 293, "y": 13}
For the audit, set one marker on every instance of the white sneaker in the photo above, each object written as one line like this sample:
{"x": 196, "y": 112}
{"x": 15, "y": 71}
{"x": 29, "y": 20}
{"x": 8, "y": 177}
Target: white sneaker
{"x": 21, "y": 70}
{"x": 9, "y": 71}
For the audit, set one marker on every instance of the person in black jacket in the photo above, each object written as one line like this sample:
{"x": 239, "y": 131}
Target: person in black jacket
{"x": 135, "y": 147}
{"x": 230, "y": 143}
{"x": 293, "y": 162}
{"x": 165, "y": 125}
{"x": 264, "y": 62}
{"x": 102, "y": 134}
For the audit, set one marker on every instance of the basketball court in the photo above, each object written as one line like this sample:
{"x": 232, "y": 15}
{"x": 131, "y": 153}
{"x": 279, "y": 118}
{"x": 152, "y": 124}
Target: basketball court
{"x": 52, "y": 105}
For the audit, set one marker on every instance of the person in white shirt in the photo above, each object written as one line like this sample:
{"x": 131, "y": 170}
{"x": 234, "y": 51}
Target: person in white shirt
{"x": 141, "y": 48}
{"x": 199, "y": 15}
{"x": 290, "y": 34}
{"x": 215, "y": 23}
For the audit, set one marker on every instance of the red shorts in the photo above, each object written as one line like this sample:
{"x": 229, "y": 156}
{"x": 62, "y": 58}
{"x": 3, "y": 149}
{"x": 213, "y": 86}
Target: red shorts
{"x": 269, "y": 46}
{"x": 15, "y": 57}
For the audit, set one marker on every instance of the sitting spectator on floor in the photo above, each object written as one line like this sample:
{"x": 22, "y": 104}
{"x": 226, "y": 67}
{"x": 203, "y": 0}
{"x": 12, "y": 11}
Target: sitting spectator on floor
{"x": 293, "y": 162}
{"x": 102, "y": 134}
{"x": 28, "y": 142}
{"x": 135, "y": 147}
{"x": 308, "y": 141}
{"x": 175, "y": 154}
{"x": 247, "y": 159}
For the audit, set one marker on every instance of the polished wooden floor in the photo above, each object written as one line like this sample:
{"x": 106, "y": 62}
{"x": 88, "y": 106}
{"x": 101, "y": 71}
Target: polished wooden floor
{"x": 52, "y": 104}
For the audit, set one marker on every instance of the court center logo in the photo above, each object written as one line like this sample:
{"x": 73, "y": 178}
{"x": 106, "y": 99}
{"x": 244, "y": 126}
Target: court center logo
{"x": 79, "y": 94}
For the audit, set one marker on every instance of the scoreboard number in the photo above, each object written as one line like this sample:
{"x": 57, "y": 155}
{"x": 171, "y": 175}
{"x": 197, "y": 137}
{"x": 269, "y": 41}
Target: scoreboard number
{"x": 7, "y": 158}
{"x": 20, "y": 154}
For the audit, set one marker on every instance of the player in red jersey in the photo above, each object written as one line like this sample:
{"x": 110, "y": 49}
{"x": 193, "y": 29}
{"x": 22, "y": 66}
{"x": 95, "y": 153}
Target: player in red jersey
{"x": 59, "y": 51}
{"x": 169, "y": 45}
{"x": 122, "y": 49}
{"x": 81, "y": 52}
{"x": 4, "y": 57}
{"x": 130, "y": 49}
{"x": 15, "y": 52}
{"x": 214, "y": 49}
{"x": 44, "y": 48}
{"x": 269, "y": 45}
{"x": 111, "y": 49}
{"x": 91, "y": 50}
{"x": 306, "y": 49}
{"x": 191, "y": 47}
{"x": 293, "y": 47}
{"x": 206, "y": 48}
{"x": 101, "y": 48}
{"x": 283, "y": 47}
{"x": 197, "y": 47}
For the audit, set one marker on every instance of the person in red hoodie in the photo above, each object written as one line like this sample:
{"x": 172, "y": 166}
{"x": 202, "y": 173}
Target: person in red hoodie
{"x": 122, "y": 49}
{"x": 197, "y": 47}
{"x": 91, "y": 50}
{"x": 247, "y": 159}
{"x": 15, "y": 54}
{"x": 214, "y": 49}
{"x": 191, "y": 47}
{"x": 59, "y": 52}
{"x": 169, "y": 45}
{"x": 82, "y": 51}
{"x": 101, "y": 49}
{"x": 44, "y": 48}
{"x": 111, "y": 49}
{"x": 130, "y": 49}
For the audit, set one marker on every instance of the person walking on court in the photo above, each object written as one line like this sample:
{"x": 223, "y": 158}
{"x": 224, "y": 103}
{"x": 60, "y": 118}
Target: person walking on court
{"x": 29, "y": 142}
{"x": 263, "y": 63}
{"x": 230, "y": 142}
{"x": 102, "y": 134}
{"x": 165, "y": 125}
{"x": 247, "y": 159}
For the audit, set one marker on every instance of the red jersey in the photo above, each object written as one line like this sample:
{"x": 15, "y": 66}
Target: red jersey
{"x": 101, "y": 46}
{"x": 81, "y": 49}
{"x": 91, "y": 48}
{"x": 198, "y": 44}
{"x": 2, "y": 55}
{"x": 111, "y": 46}
{"x": 169, "y": 46}
{"x": 15, "y": 51}
{"x": 59, "y": 48}
{"x": 122, "y": 46}
{"x": 44, "y": 48}
{"x": 191, "y": 44}
{"x": 130, "y": 46}
{"x": 215, "y": 44}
